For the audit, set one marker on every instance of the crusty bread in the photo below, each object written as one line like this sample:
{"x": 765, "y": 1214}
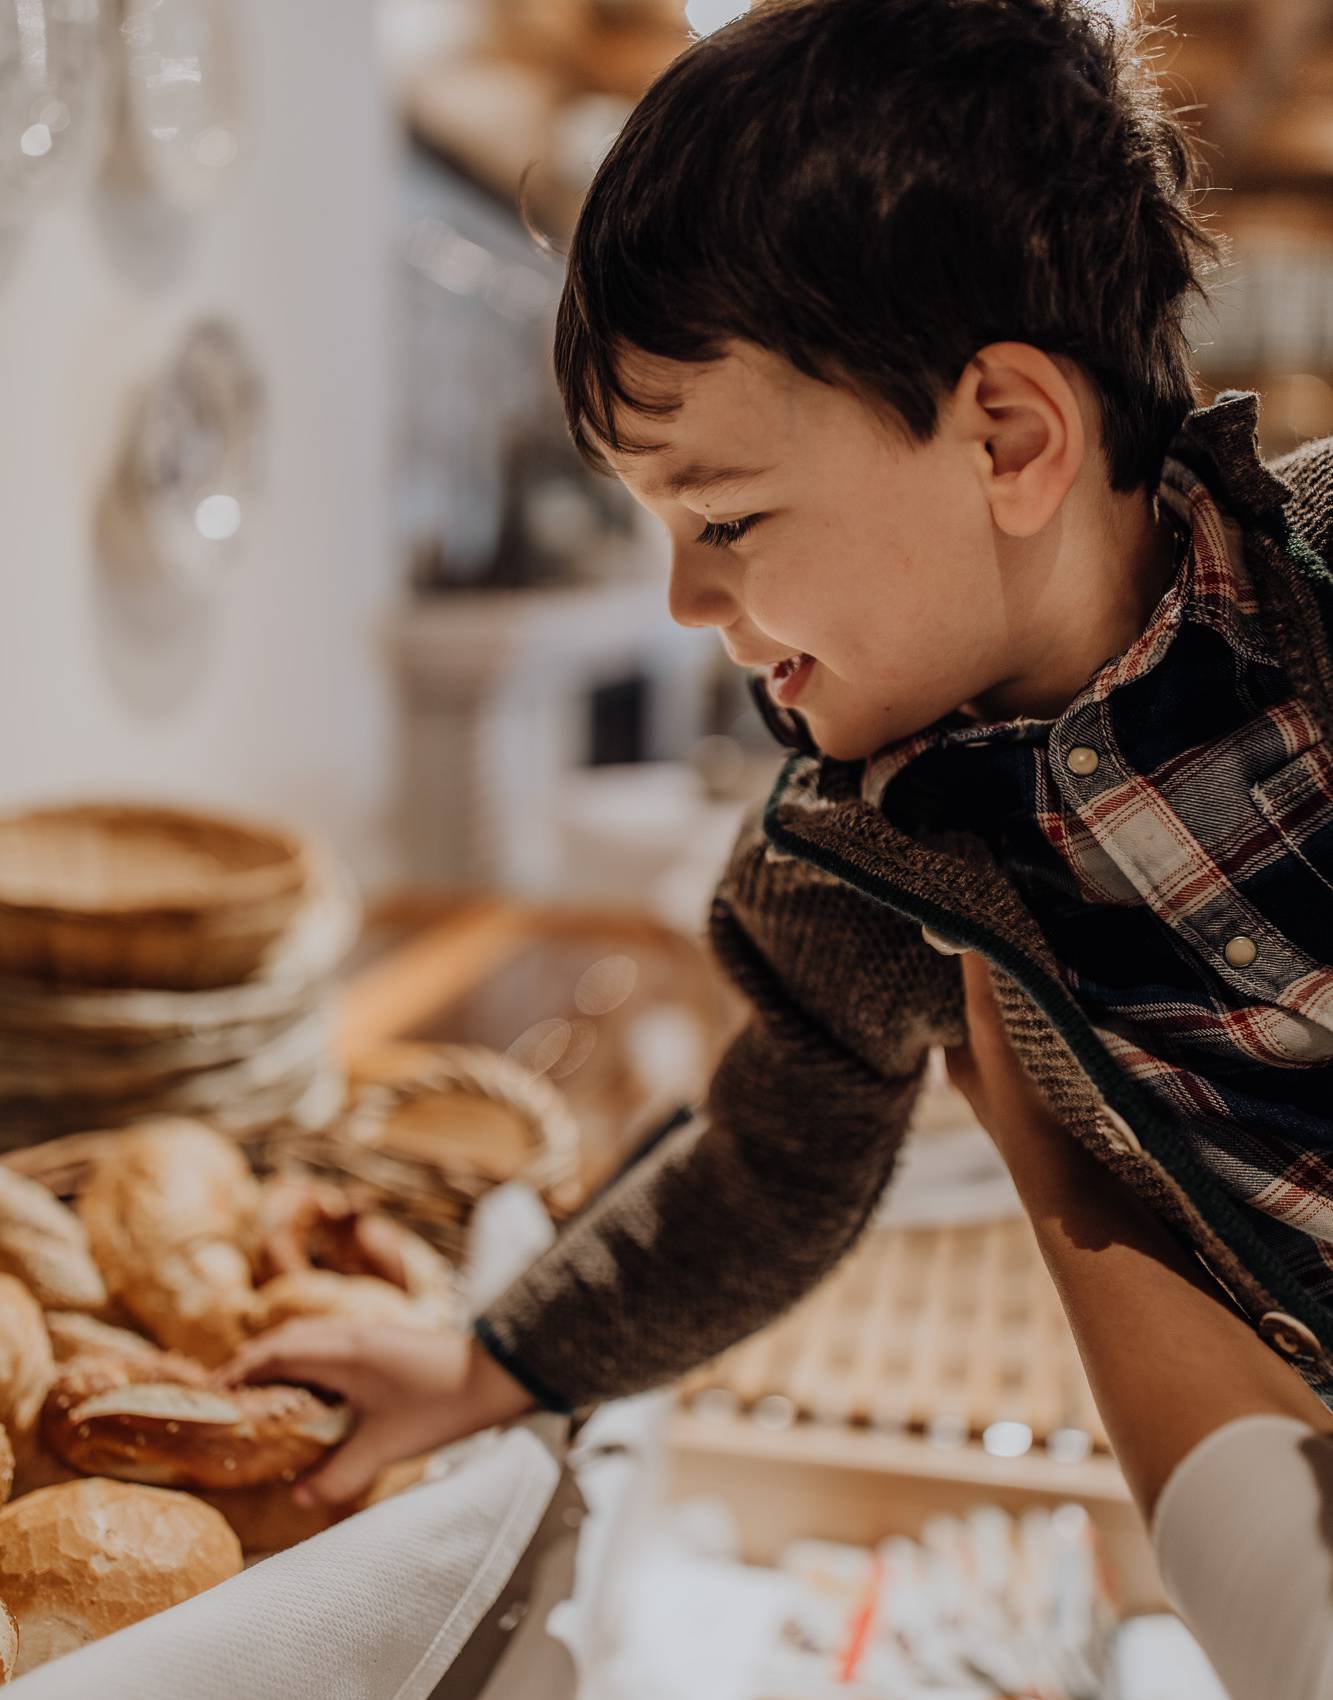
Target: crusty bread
{"x": 6, "y": 1466}
{"x": 82, "y": 1559}
{"x": 45, "y": 1245}
{"x": 26, "y": 1365}
{"x": 74, "y": 1335}
{"x": 166, "y": 1214}
{"x": 321, "y": 1292}
{"x": 173, "y": 1430}
{"x": 9, "y": 1643}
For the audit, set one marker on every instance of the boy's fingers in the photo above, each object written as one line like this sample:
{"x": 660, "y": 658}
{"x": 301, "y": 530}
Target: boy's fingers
{"x": 298, "y": 1351}
{"x": 349, "y": 1471}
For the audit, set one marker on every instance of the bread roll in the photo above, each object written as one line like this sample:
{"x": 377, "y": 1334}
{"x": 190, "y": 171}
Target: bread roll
{"x": 74, "y": 1335}
{"x": 26, "y": 1366}
{"x": 6, "y": 1467}
{"x": 9, "y": 1643}
{"x": 107, "y": 1418}
{"x": 166, "y": 1214}
{"x": 44, "y": 1244}
{"x": 354, "y": 1298}
{"x": 85, "y": 1558}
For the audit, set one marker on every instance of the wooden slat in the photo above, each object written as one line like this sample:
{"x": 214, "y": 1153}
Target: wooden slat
{"x": 927, "y": 1331}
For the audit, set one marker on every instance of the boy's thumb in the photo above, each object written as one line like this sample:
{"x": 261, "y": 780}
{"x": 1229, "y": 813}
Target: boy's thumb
{"x": 347, "y": 1473}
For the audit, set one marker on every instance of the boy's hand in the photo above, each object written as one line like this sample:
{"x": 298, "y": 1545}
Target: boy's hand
{"x": 410, "y": 1391}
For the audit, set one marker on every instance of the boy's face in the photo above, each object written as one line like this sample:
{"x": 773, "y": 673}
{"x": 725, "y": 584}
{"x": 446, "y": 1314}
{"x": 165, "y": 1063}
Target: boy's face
{"x": 872, "y": 555}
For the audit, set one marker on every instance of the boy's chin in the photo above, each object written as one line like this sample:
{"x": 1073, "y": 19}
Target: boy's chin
{"x": 842, "y": 743}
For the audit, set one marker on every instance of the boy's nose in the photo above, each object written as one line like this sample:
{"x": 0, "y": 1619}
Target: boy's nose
{"x": 696, "y": 598}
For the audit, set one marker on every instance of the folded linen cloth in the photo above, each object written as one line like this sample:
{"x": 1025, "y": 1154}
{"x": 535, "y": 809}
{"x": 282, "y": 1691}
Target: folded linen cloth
{"x": 377, "y": 1608}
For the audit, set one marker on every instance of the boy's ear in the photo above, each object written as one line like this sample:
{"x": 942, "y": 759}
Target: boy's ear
{"x": 1023, "y": 415}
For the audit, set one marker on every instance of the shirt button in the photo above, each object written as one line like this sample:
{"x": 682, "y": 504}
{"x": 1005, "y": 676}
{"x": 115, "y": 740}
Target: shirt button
{"x": 1082, "y": 760}
{"x": 1288, "y": 1336}
{"x": 1241, "y": 951}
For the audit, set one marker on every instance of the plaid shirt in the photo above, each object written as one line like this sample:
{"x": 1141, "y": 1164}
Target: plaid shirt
{"x": 1172, "y": 832}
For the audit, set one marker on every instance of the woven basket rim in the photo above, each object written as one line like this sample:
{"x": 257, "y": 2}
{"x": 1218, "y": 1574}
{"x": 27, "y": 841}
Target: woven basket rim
{"x": 282, "y": 871}
{"x": 323, "y": 928}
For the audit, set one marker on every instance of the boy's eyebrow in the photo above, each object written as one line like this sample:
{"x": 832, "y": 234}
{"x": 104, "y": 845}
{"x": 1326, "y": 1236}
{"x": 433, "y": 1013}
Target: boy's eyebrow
{"x": 694, "y": 477}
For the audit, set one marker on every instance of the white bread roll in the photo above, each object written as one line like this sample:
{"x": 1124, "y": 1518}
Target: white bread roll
{"x": 9, "y": 1643}
{"x": 85, "y": 1558}
{"x": 6, "y": 1466}
{"x": 44, "y": 1244}
{"x": 167, "y": 1213}
{"x": 26, "y": 1366}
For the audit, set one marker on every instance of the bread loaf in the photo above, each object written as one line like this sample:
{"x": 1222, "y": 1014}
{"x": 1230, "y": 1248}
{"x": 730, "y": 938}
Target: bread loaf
{"x": 82, "y": 1559}
{"x": 9, "y": 1643}
{"x": 173, "y": 1430}
{"x": 166, "y": 1215}
{"x": 6, "y": 1467}
{"x": 44, "y": 1244}
{"x": 26, "y": 1366}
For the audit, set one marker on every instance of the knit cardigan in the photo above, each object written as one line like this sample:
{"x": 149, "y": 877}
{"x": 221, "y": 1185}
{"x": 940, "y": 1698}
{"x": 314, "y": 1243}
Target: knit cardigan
{"x": 818, "y": 921}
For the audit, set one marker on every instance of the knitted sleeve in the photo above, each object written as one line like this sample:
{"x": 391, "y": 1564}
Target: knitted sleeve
{"x": 732, "y": 1219}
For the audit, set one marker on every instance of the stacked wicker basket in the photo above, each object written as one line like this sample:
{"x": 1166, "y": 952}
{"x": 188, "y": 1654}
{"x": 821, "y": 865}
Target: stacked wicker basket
{"x": 158, "y": 961}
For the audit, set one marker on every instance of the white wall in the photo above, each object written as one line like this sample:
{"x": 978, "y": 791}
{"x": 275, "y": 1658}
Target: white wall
{"x": 280, "y": 703}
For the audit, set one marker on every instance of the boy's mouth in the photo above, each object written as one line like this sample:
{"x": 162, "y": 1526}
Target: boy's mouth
{"x": 788, "y": 678}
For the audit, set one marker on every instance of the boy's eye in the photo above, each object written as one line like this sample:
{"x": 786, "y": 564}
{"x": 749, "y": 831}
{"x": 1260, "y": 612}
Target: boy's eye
{"x": 721, "y": 535}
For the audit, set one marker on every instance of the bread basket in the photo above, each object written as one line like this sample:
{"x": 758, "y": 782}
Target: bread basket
{"x": 431, "y": 1179}
{"x": 135, "y": 896}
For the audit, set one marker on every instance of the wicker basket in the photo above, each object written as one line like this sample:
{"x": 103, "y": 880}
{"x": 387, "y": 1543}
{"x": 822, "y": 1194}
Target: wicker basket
{"x": 245, "y": 1055}
{"x": 112, "y": 895}
{"x": 431, "y": 1183}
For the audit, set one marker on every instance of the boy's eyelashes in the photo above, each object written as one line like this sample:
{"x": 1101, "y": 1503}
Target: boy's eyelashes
{"x": 721, "y": 534}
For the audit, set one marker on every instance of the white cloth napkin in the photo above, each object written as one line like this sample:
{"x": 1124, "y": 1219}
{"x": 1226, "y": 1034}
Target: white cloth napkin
{"x": 376, "y": 1608}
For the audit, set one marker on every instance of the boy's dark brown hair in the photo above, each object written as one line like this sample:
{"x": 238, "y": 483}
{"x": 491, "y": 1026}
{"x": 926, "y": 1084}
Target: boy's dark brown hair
{"x": 874, "y": 190}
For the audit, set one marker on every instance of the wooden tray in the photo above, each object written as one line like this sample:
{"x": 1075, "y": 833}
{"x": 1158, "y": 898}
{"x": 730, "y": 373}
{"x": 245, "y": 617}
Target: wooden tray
{"x": 934, "y": 1370}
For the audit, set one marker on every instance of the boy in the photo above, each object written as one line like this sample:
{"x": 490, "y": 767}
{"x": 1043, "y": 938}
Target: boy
{"x": 877, "y": 306}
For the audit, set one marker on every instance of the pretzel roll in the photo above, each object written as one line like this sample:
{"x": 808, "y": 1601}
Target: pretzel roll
{"x": 6, "y": 1467}
{"x": 44, "y": 1244}
{"x": 321, "y": 1292}
{"x": 26, "y": 1365}
{"x": 108, "y": 1419}
{"x": 166, "y": 1215}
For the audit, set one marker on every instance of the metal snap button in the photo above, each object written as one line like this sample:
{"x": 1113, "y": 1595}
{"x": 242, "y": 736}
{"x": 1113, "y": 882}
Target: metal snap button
{"x": 1119, "y": 1133}
{"x": 1241, "y": 951}
{"x": 1082, "y": 760}
{"x": 942, "y": 945}
{"x": 1288, "y": 1336}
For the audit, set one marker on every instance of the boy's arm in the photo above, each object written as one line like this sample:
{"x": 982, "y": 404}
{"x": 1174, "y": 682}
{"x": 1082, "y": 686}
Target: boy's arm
{"x": 741, "y": 1212}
